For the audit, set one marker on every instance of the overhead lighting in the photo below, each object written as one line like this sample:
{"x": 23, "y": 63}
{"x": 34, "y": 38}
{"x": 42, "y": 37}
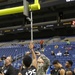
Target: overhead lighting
{"x": 20, "y": 29}
{"x": 69, "y": 0}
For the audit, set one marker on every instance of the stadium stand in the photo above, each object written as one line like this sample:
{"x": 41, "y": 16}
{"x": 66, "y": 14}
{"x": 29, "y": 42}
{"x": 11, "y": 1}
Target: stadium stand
{"x": 56, "y": 44}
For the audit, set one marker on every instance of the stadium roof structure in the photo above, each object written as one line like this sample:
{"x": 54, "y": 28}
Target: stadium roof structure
{"x": 45, "y": 20}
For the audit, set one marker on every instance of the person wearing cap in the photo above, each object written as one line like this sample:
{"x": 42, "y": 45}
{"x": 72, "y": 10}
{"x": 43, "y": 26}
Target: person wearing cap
{"x": 43, "y": 64}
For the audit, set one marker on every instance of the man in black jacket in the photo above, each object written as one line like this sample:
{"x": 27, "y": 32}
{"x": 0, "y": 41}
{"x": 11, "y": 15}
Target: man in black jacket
{"x": 8, "y": 68}
{"x": 59, "y": 70}
{"x": 68, "y": 66}
{"x": 29, "y": 63}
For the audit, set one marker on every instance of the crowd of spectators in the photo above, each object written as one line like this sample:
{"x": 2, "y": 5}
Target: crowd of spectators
{"x": 36, "y": 63}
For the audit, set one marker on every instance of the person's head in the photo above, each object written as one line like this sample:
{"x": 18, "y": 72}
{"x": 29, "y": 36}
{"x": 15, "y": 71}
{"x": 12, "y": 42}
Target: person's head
{"x": 52, "y": 51}
{"x": 8, "y": 60}
{"x": 40, "y": 61}
{"x": 69, "y": 73}
{"x": 66, "y": 51}
{"x": 27, "y": 61}
{"x": 56, "y": 64}
{"x": 68, "y": 63}
{"x": 4, "y": 56}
